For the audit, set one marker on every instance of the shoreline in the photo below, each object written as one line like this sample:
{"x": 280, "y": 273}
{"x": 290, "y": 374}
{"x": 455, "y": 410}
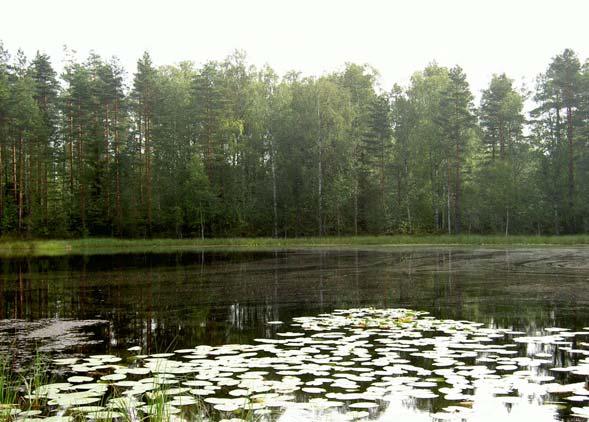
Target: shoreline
{"x": 90, "y": 246}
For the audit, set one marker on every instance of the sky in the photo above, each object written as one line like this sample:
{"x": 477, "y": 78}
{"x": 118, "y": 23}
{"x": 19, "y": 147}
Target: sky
{"x": 397, "y": 37}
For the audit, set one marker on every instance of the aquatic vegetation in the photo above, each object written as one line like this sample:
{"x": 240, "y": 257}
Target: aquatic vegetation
{"x": 32, "y": 380}
{"x": 349, "y": 364}
{"x": 8, "y": 393}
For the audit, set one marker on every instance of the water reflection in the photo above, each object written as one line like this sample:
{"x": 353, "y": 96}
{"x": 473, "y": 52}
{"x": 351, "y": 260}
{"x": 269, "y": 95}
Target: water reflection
{"x": 181, "y": 300}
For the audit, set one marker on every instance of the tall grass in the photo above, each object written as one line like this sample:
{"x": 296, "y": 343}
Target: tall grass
{"x": 8, "y": 389}
{"x": 17, "y": 393}
{"x": 36, "y": 375}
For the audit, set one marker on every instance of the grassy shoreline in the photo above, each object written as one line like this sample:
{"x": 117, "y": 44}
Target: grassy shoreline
{"x": 15, "y": 248}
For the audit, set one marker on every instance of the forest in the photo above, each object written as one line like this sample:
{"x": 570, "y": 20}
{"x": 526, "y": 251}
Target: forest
{"x": 227, "y": 149}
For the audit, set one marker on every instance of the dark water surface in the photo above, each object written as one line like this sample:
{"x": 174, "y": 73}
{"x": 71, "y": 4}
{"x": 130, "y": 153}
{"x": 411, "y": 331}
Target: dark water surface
{"x": 168, "y": 301}
{"x": 105, "y": 304}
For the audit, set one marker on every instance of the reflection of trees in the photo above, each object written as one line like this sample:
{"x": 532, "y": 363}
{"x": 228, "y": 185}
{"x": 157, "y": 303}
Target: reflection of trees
{"x": 189, "y": 299}
{"x": 23, "y": 292}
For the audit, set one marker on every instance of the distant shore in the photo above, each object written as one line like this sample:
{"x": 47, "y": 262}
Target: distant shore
{"x": 90, "y": 246}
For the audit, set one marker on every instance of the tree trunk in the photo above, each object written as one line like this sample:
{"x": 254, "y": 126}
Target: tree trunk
{"x": 81, "y": 173}
{"x": 406, "y": 188}
{"x": 209, "y": 147}
{"x": 571, "y": 180}
{"x": 107, "y": 161}
{"x": 274, "y": 193}
{"x": 202, "y": 225}
{"x": 32, "y": 179}
{"x": 382, "y": 175}
{"x": 14, "y": 173}
{"x": 556, "y": 221}
{"x": 409, "y": 217}
{"x": 1, "y": 184}
{"x": 320, "y": 183}
{"x": 45, "y": 193}
{"x": 501, "y": 140}
{"x": 448, "y": 191}
{"x": 356, "y": 189}
{"x": 119, "y": 211}
{"x": 148, "y": 172}
{"x": 20, "y": 181}
{"x": 71, "y": 148}
{"x": 45, "y": 174}
{"x": 457, "y": 193}
{"x": 434, "y": 193}
{"x": 140, "y": 163}
{"x": 320, "y": 172}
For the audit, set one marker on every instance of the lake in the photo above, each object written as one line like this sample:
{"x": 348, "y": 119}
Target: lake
{"x": 104, "y": 305}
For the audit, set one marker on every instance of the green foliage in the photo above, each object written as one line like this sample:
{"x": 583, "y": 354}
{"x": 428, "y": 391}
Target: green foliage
{"x": 557, "y": 125}
{"x": 501, "y": 117}
{"x": 226, "y": 149}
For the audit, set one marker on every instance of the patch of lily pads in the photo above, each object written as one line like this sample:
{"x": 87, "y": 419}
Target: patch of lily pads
{"x": 351, "y": 364}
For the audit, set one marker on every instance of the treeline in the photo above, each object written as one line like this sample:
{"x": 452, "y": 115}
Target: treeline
{"x": 226, "y": 149}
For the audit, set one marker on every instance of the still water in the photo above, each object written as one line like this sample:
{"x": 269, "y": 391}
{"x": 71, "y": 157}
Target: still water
{"x": 106, "y": 304}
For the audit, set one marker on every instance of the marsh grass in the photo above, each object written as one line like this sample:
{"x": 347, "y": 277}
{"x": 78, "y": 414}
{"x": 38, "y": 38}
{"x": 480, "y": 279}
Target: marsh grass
{"x": 19, "y": 391}
{"x": 92, "y": 246}
{"x": 33, "y": 377}
{"x": 156, "y": 405}
{"x": 8, "y": 389}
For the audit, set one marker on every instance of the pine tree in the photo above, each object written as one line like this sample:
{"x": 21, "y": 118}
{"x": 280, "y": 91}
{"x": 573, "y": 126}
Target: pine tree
{"x": 564, "y": 73}
{"x": 558, "y": 90}
{"x": 208, "y": 113}
{"x": 144, "y": 96}
{"x": 456, "y": 120}
{"x": 377, "y": 142}
{"x": 4, "y": 127}
{"x": 46, "y": 97}
{"x": 501, "y": 116}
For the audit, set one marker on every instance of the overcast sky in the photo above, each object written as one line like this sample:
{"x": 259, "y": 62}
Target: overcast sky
{"x": 397, "y": 37}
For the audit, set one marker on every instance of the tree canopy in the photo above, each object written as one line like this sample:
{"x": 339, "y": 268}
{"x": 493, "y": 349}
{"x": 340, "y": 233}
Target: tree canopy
{"x": 227, "y": 149}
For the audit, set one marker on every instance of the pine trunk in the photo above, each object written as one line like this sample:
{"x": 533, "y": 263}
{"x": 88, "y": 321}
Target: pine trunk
{"x": 320, "y": 173}
{"x": 501, "y": 140}
{"x": 20, "y": 181}
{"x": 320, "y": 187}
{"x": 571, "y": 184}
{"x": 356, "y": 189}
{"x": 140, "y": 162}
{"x": 107, "y": 161}
{"x": 458, "y": 193}
{"x": 148, "y": 173}
{"x": 434, "y": 193}
{"x": 71, "y": 148}
{"x": 382, "y": 175}
{"x": 14, "y": 173}
{"x": 448, "y": 202}
{"x": 274, "y": 188}
{"x": 1, "y": 183}
{"x": 556, "y": 220}
{"x": 45, "y": 194}
{"x": 118, "y": 208}
{"x": 81, "y": 174}
{"x": 209, "y": 151}
{"x": 45, "y": 173}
